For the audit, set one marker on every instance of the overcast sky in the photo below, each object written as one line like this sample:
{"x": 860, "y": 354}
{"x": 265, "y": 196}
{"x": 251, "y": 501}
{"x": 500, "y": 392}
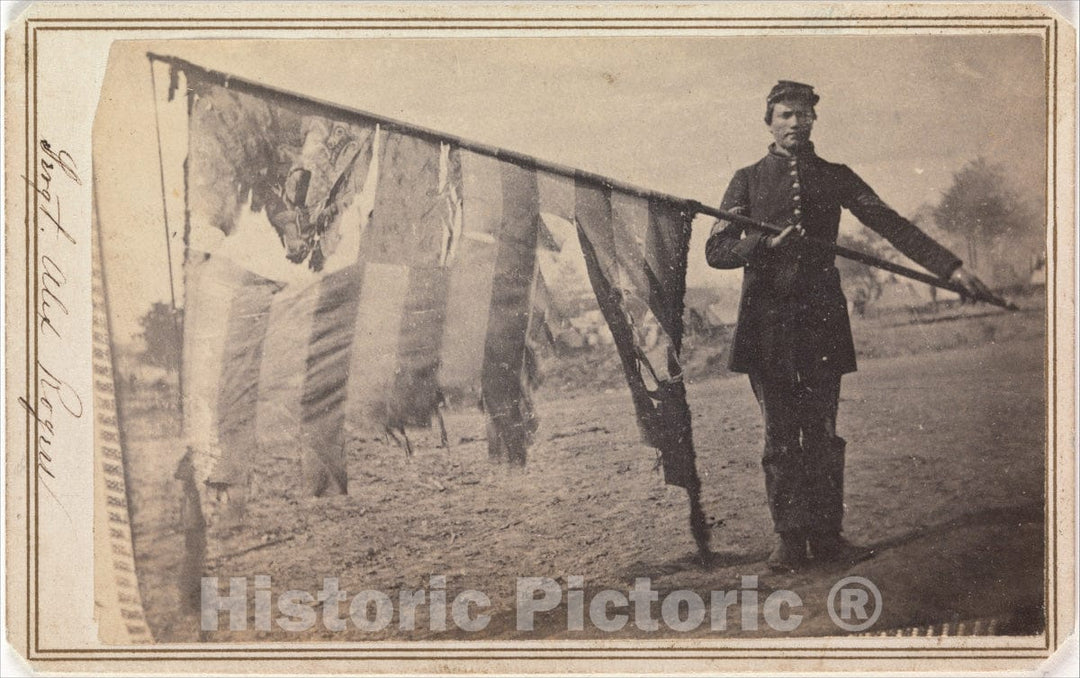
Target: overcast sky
{"x": 678, "y": 115}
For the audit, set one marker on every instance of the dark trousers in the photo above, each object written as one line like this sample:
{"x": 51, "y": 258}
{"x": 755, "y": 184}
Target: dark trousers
{"x": 804, "y": 458}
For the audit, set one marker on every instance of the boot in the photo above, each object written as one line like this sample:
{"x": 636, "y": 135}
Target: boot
{"x": 789, "y": 554}
{"x": 830, "y": 547}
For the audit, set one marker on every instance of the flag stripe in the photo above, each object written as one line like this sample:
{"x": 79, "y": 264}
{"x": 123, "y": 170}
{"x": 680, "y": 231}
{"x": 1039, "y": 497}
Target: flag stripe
{"x": 219, "y": 404}
{"x": 208, "y": 297}
{"x": 375, "y": 342}
{"x": 408, "y": 221}
{"x": 666, "y": 248}
{"x": 326, "y": 378}
{"x": 469, "y": 295}
{"x": 592, "y": 209}
{"x": 238, "y": 391}
{"x": 504, "y": 394}
{"x": 416, "y": 390}
{"x": 462, "y": 355}
{"x": 594, "y": 232}
{"x": 411, "y": 225}
{"x": 629, "y": 221}
{"x": 417, "y": 200}
{"x": 281, "y": 380}
{"x": 556, "y": 194}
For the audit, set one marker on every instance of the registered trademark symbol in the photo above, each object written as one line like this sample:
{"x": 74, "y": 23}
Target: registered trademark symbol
{"x": 854, "y": 603}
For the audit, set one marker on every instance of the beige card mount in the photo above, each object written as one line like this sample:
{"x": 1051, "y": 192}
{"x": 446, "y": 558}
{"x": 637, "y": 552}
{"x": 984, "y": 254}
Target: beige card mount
{"x": 400, "y": 338}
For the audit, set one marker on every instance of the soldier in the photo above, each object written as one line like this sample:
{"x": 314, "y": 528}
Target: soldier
{"x": 793, "y": 336}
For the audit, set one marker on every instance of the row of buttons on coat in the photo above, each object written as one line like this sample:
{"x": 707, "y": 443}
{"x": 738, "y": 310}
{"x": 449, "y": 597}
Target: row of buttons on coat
{"x": 795, "y": 189}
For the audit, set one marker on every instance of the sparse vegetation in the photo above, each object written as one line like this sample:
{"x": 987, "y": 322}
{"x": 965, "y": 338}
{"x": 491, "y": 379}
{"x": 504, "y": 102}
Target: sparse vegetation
{"x": 163, "y": 336}
{"x": 1000, "y": 227}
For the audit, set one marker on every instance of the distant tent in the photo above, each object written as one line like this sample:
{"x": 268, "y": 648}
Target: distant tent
{"x": 712, "y": 308}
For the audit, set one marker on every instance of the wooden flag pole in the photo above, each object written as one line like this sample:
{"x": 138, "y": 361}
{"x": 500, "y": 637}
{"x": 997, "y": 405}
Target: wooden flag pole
{"x": 592, "y": 178}
{"x": 861, "y": 257}
{"x": 317, "y": 105}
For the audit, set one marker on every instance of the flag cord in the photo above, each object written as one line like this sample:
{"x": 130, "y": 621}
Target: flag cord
{"x": 161, "y": 176}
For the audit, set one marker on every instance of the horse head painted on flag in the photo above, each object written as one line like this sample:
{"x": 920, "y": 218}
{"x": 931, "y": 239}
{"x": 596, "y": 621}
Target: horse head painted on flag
{"x": 288, "y": 213}
{"x": 299, "y": 216}
{"x": 249, "y": 152}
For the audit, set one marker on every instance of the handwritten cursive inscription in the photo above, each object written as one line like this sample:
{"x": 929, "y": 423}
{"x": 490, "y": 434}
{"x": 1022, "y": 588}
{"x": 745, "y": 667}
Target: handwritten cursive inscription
{"x": 56, "y": 398}
{"x": 52, "y": 392}
{"x": 52, "y": 279}
{"x": 42, "y": 183}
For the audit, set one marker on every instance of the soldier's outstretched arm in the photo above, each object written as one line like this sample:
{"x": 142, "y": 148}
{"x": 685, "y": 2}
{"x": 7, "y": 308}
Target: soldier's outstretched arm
{"x": 871, "y": 210}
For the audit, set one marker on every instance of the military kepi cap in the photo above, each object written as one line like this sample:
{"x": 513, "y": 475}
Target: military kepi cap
{"x": 788, "y": 89}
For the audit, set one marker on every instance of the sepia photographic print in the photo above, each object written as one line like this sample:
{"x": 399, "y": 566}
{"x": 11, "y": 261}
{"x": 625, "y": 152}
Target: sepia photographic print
{"x": 433, "y": 338}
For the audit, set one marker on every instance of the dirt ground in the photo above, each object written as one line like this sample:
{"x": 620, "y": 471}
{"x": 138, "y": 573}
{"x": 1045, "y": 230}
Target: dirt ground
{"x": 945, "y": 477}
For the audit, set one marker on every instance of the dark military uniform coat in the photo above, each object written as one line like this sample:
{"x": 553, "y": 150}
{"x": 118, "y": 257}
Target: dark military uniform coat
{"x": 792, "y": 308}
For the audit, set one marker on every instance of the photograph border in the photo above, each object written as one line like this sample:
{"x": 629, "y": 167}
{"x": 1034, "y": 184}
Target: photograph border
{"x": 668, "y": 655}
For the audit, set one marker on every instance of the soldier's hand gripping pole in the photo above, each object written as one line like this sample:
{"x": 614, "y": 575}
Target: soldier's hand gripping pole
{"x": 861, "y": 257}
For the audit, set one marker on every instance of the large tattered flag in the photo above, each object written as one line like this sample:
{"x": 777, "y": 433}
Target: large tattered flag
{"x": 342, "y": 268}
{"x": 421, "y": 292}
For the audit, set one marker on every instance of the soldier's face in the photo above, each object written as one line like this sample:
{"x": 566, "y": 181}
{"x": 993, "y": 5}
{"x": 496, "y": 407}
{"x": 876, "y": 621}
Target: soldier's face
{"x": 791, "y": 124}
